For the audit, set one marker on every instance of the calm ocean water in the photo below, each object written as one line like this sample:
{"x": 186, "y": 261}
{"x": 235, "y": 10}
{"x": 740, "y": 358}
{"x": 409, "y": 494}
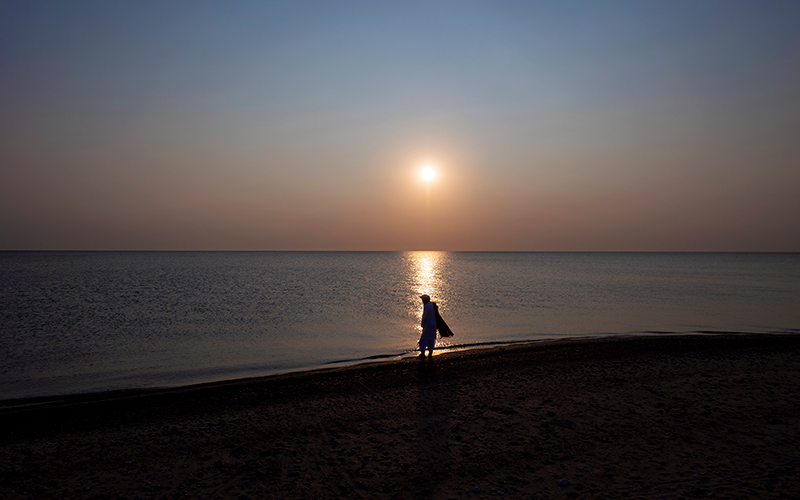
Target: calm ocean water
{"x": 97, "y": 321}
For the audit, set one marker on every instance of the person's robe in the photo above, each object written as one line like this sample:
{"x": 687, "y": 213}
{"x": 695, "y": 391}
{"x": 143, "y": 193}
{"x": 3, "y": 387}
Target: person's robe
{"x": 444, "y": 330}
{"x": 429, "y": 321}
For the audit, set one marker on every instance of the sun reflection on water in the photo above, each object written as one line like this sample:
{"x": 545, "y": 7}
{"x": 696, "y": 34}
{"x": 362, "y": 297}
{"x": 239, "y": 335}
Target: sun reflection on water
{"x": 427, "y": 273}
{"x": 426, "y": 277}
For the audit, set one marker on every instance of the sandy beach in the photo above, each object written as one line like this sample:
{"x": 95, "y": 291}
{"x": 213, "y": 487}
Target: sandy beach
{"x": 636, "y": 417}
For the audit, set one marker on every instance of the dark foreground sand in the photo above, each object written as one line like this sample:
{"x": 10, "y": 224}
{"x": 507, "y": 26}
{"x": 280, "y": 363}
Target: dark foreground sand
{"x": 654, "y": 417}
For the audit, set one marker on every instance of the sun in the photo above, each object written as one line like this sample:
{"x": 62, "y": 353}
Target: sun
{"x": 428, "y": 173}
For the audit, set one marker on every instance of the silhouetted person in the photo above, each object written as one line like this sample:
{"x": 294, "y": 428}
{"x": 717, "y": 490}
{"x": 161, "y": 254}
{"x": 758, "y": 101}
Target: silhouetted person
{"x": 428, "y": 338}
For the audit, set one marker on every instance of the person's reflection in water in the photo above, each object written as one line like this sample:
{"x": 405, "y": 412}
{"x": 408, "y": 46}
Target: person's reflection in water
{"x": 437, "y": 398}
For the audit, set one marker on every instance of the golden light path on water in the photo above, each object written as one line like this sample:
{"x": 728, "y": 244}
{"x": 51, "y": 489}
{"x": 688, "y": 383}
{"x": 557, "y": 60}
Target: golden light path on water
{"x": 426, "y": 274}
{"x": 427, "y": 278}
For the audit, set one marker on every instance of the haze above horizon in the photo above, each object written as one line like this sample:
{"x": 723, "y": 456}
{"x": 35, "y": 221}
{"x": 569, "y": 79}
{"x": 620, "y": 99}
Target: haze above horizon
{"x": 552, "y": 126}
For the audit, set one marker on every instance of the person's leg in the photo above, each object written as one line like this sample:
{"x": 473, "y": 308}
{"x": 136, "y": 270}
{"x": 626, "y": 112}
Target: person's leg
{"x": 425, "y": 343}
{"x": 431, "y": 343}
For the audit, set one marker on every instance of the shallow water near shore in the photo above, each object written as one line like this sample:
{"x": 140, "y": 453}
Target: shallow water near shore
{"x": 75, "y": 322}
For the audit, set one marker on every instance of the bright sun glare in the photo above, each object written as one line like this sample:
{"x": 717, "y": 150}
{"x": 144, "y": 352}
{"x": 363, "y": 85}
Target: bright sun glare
{"x": 427, "y": 173}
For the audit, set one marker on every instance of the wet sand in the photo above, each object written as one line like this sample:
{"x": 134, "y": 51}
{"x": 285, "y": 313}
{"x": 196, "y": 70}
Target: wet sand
{"x": 641, "y": 417}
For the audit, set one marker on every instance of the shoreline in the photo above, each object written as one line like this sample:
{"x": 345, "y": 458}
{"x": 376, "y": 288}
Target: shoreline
{"x": 68, "y": 398}
{"x": 680, "y": 416}
{"x": 10, "y": 405}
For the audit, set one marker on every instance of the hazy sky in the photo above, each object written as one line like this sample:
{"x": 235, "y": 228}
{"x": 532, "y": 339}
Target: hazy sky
{"x": 259, "y": 125}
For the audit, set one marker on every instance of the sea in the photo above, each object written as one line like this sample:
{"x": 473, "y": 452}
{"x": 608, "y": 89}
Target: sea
{"x": 87, "y": 322}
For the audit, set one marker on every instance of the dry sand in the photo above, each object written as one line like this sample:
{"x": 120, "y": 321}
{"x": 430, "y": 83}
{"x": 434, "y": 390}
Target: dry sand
{"x": 647, "y": 417}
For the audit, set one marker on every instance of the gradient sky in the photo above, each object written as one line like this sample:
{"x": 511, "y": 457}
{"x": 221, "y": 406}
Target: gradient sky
{"x": 302, "y": 125}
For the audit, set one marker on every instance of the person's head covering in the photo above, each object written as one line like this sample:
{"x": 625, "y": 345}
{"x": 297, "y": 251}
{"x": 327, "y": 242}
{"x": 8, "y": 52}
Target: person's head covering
{"x": 425, "y": 299}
